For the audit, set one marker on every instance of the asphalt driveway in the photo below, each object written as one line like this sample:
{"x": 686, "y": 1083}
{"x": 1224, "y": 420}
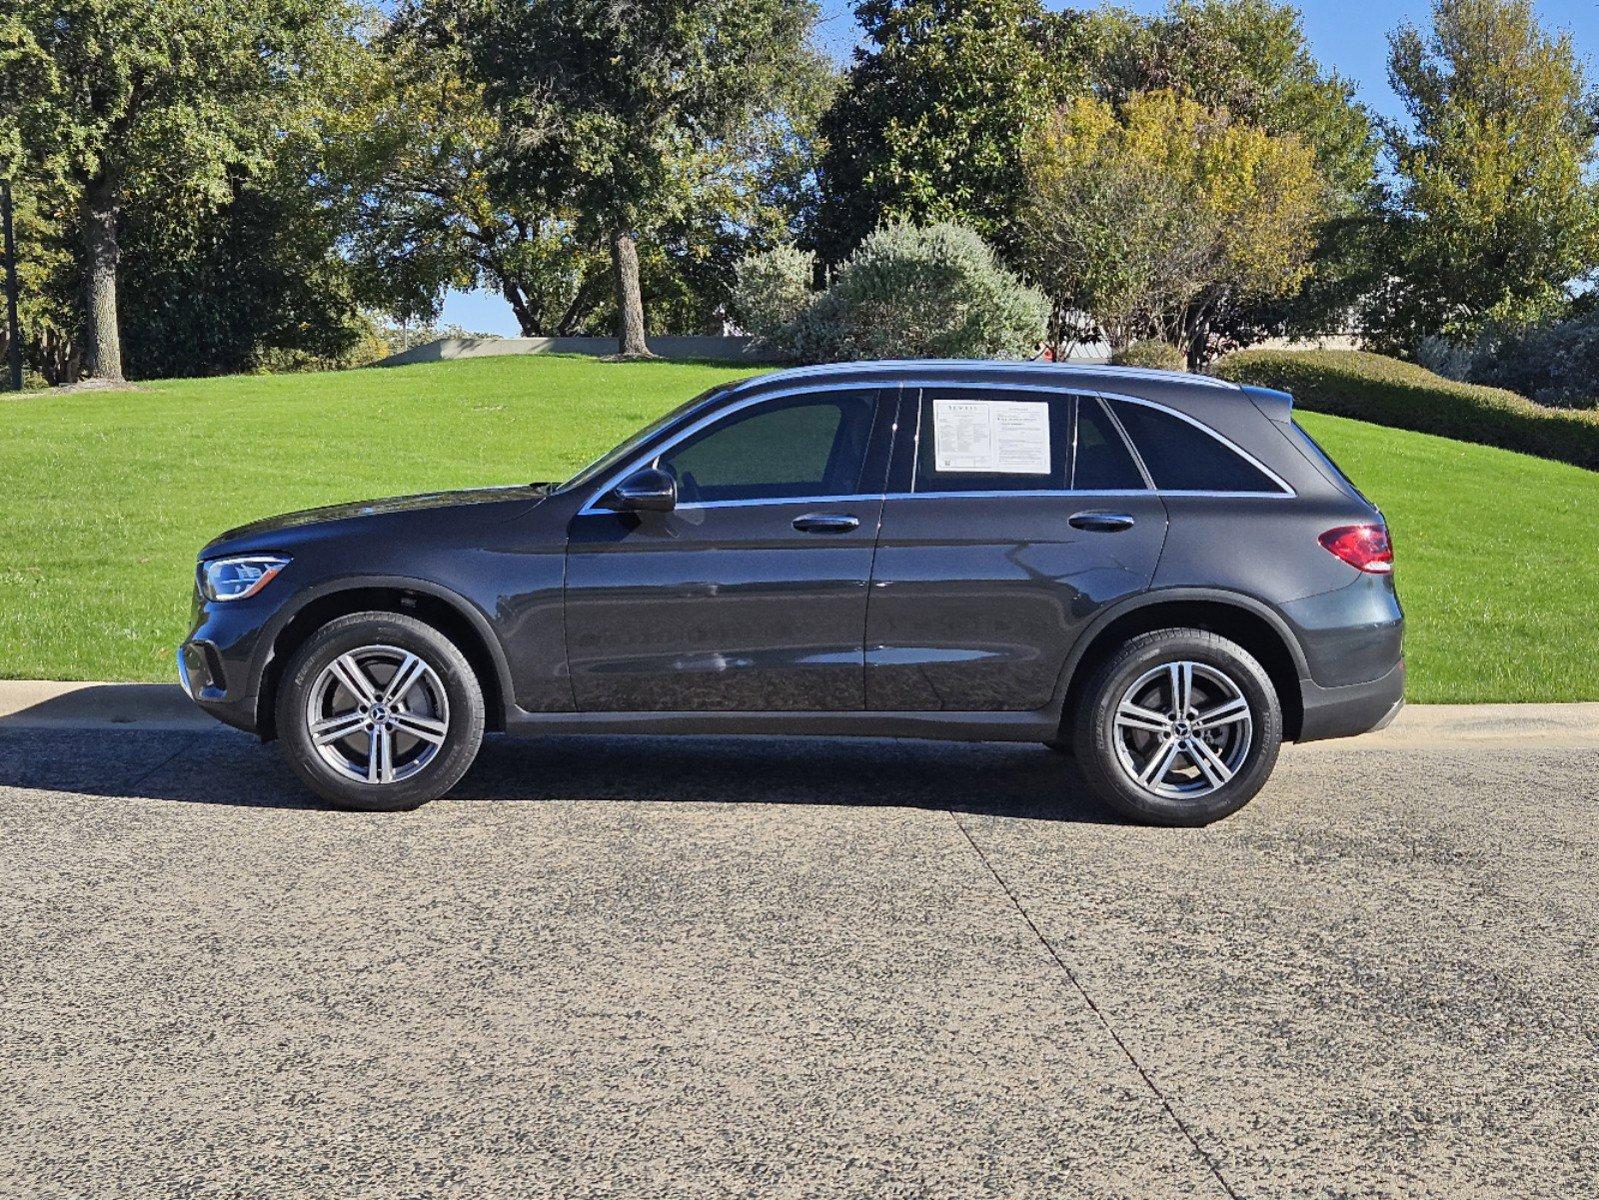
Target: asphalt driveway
{"x": 644, "y": 968}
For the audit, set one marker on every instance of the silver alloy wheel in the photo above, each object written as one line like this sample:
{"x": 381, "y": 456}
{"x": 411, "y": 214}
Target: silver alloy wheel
{"x": 378, "y": 714}
{"x": 1183, "y": 730}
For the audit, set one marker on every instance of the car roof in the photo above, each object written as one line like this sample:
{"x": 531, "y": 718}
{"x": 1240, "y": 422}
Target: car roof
{"x": 1167, "y": 385}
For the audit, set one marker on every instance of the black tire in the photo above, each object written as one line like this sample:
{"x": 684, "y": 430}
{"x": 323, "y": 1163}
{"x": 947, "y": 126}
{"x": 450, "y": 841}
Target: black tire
{"x": 1096, "y": 738}
{"x": 435, "y": 768}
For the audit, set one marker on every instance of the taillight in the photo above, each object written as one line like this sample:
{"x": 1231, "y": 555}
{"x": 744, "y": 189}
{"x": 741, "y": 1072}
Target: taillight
{"x": 1364, "y": 547}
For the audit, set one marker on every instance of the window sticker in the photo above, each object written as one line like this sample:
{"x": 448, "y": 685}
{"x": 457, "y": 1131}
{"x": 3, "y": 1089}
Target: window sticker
{"x": 994, "y": 437}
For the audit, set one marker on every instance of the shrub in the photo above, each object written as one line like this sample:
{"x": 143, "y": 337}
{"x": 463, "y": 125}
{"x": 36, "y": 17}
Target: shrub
{"x": 1387, "y": 391}
{"x": 1154, "y": 353}
{"x": 771, "y": 290}
{"x": 933, "y": 291}
{"x": 1556, "y": 363}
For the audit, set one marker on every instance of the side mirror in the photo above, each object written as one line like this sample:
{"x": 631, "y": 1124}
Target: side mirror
{"x": 648, "y": 490}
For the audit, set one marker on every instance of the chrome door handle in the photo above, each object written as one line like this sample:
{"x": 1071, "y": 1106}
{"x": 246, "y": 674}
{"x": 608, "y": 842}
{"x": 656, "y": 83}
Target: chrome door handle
{"x": 826, "y": 523}
{"x": 1101, "y": 522}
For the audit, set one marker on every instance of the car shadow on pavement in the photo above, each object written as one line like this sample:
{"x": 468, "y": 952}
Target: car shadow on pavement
{"x": 225, "y": 767}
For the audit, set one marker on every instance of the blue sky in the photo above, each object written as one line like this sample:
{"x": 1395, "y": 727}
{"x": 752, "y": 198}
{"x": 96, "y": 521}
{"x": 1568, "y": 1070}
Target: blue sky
{"x": 1350, "y": 36}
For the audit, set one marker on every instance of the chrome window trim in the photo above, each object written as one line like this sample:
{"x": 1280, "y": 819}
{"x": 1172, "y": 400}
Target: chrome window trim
{"x": 1066, "y": 371}
{"x": 1287, "y": 489}
{"x": 711, "y": 418}
{"x": 875, "y": 496}
{"x": 852, "y": 498}
{"x": 919, "y": 385}
{"x": 1066, "y": 495}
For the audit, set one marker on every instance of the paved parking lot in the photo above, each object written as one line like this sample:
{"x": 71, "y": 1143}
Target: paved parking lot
{"x": 642, "y": 968}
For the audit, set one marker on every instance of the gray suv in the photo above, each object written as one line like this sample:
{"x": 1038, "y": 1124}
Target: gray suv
{"x": 1158, "y": 575}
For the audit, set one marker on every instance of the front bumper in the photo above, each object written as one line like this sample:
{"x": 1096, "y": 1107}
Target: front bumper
{"x": 217, "y": 662}
{"x": 1335, "y": 712}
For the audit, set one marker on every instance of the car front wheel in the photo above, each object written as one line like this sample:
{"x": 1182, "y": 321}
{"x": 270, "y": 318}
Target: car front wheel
{"x": 379, "y": 712}
{"x": 1179, "y": 727}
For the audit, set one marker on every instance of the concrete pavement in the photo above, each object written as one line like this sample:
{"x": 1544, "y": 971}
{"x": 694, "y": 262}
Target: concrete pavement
{"x": 720, "y": 967}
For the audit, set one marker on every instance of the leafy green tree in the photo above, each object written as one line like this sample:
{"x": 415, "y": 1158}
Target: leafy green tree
{"x": 1161, "y": 218}
{"x": 625, "y": 107}
{"x": 1492, "y": 216}
{"x": 425, "y": 164}
{"x": 1246, "y": 58}
{"x": 48, "y": 281}
{"x": 929, "y": 123}
{"x": 1249, "y": 59}
{"x": 116, "y": 99}
{"x": 256, "y": 281}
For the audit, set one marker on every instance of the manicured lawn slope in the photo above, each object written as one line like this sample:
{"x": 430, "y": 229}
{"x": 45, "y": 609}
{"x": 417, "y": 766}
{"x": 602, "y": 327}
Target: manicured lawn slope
{"x": 109, "y": 496}
{"x": 1498, "y": 562}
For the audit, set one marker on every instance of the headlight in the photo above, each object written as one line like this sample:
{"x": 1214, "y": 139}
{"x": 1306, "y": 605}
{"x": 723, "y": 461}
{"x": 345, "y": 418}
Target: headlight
{"x": 237, "y": 578}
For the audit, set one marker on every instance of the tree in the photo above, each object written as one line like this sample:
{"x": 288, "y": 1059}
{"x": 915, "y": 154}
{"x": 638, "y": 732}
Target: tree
{"x": 118, "y": 98}
{"x": 930, "y": 121}
{"x": 1246, "y": 58}
{"x": 1162, "y": 218}
{"x": 624, "y": 105}
{"x": 1491, "y": 216}
{"x": 426, "y": 163}
{"x": 1249, "y": 60}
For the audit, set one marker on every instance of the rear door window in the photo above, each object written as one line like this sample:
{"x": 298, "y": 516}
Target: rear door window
{"x": 993, "y": 440}
{"x": 1184, "y": 457}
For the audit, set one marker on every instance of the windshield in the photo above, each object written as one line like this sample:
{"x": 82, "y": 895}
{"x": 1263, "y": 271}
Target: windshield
{"x": 615, "y": 455}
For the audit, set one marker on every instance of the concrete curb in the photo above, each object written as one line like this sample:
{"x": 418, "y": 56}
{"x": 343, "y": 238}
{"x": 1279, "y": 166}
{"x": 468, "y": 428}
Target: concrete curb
{"x": 35, "y": 704}
{"x": 43, "y": 704}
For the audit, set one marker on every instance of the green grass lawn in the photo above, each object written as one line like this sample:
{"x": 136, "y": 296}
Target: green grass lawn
{"x": 109, "y": 495}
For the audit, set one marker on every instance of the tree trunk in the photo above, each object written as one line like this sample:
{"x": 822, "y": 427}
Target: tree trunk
{"x": 629, "y": 301}
{"x": 104, "y": 343}
{"x": 526, "y": 320}
{"x": 590, "y": 290}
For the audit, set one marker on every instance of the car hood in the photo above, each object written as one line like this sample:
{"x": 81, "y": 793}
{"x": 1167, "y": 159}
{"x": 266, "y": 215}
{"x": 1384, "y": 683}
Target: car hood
{"x": 375, "y": 508}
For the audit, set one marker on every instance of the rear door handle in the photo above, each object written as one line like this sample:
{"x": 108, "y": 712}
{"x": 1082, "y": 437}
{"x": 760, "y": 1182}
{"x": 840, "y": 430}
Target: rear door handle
{"x": 826, "y": 523}
{"x": 1101, "y": 522}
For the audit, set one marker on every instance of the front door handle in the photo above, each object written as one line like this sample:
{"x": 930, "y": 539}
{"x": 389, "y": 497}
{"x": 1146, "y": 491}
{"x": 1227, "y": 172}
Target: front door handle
{"x": 1101, "y": 522}
{"x": 826, "y": 523}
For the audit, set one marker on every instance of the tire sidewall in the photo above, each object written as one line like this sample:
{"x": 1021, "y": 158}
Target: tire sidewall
{"x": 1095, "y": 738}
{"x": 461, "y": 687}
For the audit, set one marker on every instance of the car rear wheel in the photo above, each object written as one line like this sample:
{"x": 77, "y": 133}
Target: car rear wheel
{"x": 1179, "y": 727}
{"x": 379, "y": 712}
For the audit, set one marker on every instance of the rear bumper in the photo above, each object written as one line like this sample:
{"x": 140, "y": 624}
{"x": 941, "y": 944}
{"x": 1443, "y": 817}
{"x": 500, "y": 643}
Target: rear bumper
{"x": 1335, "y": 712}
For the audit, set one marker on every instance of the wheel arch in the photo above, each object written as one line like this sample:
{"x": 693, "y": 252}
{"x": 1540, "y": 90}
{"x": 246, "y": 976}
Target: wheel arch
{"x": 1242, "y": 619}
{"x": 447, "y": 611}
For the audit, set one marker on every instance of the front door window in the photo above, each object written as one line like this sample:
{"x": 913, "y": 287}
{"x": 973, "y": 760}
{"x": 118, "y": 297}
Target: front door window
{"x": 805, "y": 447}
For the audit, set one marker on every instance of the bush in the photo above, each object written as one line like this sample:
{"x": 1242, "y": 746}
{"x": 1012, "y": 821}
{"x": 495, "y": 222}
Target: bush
{"x": 1152, "y": 353}
{"x": 1387, "y": 391}
{"x": 1555, "y": 364}
{"x": 771, "y": 290}
{"x": 909, "y": 292}
{"x": 932, "y": 291}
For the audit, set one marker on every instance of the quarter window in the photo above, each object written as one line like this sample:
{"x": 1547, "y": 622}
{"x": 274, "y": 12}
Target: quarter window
{"x": 1104, "y": 464}
{"x": 1182, "y": 457}
{"x": 800, "y": 446}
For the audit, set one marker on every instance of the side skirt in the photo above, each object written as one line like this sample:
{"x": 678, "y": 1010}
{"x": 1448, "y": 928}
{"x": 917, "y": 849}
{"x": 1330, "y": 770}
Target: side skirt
{"x": 941, "y": 726}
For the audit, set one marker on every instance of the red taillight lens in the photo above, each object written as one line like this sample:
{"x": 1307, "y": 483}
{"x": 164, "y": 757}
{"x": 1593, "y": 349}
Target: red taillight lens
{"x": 1364, "y": 547}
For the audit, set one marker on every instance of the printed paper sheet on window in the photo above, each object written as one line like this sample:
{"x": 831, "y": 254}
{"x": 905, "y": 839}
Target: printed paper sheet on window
{"x": 995, "y": 437}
